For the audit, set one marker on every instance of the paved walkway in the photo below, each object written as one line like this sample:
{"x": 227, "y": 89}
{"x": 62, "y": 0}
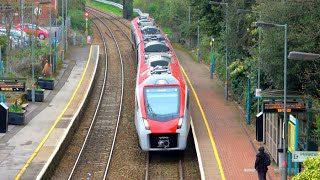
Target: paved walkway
{"x": 19, "y": 146}
{"x": 234, "y": 139}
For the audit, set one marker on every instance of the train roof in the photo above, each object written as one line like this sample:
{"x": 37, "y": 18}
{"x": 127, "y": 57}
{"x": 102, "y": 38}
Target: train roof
{"x": 157, "y": 59}
{"x": 144, "y": 16}
{"x": 155, "y": 46}
{"x": 145, "y": 22}
{"x": 150, "y": 30}
{"x": 153, "y": 37}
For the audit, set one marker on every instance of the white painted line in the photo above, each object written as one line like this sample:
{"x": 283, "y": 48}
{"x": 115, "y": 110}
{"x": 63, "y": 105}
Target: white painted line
{"x": 198, "y": 151}
{"x": 249, "y": 170}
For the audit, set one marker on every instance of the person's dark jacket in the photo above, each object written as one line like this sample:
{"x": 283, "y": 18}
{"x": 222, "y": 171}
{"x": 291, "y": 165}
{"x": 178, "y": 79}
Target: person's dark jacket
{"x": 260, "y": 165}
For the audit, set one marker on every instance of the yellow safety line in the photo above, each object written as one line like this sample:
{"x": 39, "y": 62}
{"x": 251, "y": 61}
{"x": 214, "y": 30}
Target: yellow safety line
{"x": 207, "y": 126}
{"x": 54, "y": 125}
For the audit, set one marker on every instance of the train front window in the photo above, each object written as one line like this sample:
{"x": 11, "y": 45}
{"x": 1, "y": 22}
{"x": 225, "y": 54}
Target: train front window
{"x": 162, "y": 103}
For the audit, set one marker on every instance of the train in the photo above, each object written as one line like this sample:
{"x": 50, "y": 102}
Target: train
{"x": 162, "y": 117}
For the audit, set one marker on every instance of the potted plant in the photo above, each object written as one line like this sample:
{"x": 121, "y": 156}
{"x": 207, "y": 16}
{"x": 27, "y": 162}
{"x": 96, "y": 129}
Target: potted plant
{"x": 39, "y": 94}
{"x": 46, "y": 81}
{"x": 16, "y": 113}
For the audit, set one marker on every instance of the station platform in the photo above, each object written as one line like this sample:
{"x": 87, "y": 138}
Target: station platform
{"x": 27, "y": 150}
{"x": 225, "y": 144}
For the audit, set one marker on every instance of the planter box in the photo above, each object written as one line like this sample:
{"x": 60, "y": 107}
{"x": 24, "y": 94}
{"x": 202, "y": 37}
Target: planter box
{"x": 45, "y": 83}
{"x": 16, "y": 118}
{"x": 39, "y": 95}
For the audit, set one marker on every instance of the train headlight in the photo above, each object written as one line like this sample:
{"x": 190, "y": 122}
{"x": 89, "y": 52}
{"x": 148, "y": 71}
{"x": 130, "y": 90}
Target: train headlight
{"x": 180, "y": 123}
{"x": 146, "y": 124}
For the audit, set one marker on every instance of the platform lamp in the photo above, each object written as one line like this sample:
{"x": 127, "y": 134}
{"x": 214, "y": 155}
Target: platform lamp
{"x": 267, "y": 24}
{"x": 294, "y": 55}
{"x": 226, "y": 44}
{"x": 212, "y": 57}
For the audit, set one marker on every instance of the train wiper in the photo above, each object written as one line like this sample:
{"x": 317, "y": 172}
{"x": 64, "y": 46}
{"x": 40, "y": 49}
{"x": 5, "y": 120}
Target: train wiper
{"x": 149, "y": 109}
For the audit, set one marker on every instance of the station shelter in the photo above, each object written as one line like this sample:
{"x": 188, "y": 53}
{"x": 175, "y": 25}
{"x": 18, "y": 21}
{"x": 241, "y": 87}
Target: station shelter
{"x": 270, "y": 123}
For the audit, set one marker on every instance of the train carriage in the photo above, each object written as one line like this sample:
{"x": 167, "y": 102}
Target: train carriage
{"x": 161, "y": 95}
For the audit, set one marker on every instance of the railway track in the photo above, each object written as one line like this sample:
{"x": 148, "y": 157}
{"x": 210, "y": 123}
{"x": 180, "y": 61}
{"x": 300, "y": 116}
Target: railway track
{"x": 128, "y": 160}
{"x": 164, "y": 165}
{"x": 98, "y": 128}
{"x": 116, "y": 23}
{"x": 95, "y": 155}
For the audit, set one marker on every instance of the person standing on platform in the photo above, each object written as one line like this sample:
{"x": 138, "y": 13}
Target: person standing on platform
{"x": 262, "y": 163}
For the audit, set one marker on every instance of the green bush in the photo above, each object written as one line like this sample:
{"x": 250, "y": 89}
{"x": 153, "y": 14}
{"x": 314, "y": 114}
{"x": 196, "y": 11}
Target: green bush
{"x": 311, "y": 169}
{"x": 3, "y": 43}
{"x": 15, "y": 108}
{"x": 78, "y": 22}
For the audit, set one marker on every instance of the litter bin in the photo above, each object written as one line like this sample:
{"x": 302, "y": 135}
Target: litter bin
{"x": 3, "y": 118}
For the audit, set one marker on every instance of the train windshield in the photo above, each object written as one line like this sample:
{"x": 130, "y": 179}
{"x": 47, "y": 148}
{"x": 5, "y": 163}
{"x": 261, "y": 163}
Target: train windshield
{"x": 162, "y": 103}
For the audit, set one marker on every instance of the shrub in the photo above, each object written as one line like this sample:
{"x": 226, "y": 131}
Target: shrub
{"x": 311, "y": 169}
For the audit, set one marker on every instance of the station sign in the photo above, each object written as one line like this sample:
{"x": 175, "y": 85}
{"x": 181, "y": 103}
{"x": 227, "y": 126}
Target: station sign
{"x": 37, "y": 11}
{"x": 12, "y": 86}
{"x": 301, "y": 156}
{"x": 278, "y": 106}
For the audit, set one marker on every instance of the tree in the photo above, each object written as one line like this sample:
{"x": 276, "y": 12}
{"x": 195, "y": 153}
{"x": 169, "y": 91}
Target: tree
{"x": 127, "y": 9}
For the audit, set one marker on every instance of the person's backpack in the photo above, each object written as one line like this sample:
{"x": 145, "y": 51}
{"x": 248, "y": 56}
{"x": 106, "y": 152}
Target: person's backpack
{"x": 267, "y": 161}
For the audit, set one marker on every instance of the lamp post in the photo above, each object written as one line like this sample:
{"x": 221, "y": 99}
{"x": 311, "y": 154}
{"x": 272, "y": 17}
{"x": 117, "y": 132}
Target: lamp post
{"x": 198, "y": 43}
{"x": 62, "y": 31}
{"x": 212, "y": 57}
{"x": 21, "y": 22}
{"x": 34, "y": 29}
{"x": 246, "y": 11}
{"x": 226, "y": 44}
{"x": 266, "y": 24}
{"x": 66, "y": 27}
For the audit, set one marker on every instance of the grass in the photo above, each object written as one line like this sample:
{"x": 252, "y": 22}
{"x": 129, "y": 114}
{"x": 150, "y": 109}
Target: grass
{"x": 167, "y": 31}
{"x": 105, "y": 7}
{"x": 47, "y": 78}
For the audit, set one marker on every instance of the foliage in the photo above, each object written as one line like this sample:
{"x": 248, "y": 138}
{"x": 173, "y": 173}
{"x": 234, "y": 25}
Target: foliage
{"x": 16, "y": 107}
{"x": 311, "y": 169}
{"x": 46, "y": 78}
{"x": 3, "y": 43}
{"x": 241, "y": 37}
{"x": 316, "y": 131}
{"x": 77, "y": 19}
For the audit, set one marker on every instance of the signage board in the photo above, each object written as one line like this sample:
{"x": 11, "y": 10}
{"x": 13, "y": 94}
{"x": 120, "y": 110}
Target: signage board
{"x": 278, "y": 106}
{"x": 292, "y": 130}
{"x": 301, "y": 156}
{"x": 37, "y": 11}
{"x": 12, "y": 86}
{"x": 258, "y": 93}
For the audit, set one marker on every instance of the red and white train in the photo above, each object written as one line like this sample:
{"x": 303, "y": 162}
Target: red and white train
{"x": 161, "y": 95}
